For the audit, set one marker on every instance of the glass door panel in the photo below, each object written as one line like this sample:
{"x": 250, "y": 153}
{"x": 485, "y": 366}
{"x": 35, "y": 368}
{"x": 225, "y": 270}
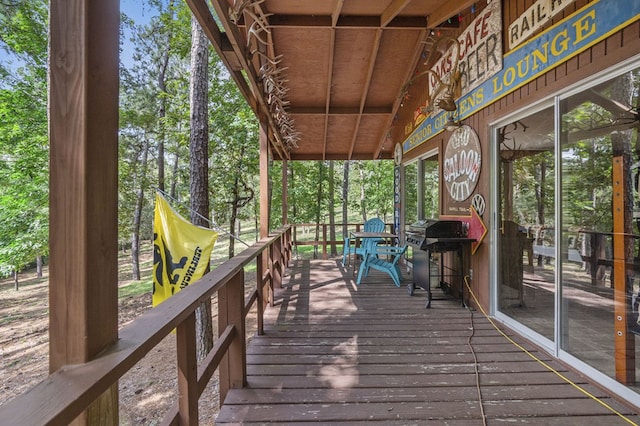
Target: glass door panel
{"x": 600, "y": 239}
{"x": 526, "y": 281}
{"x": 431, "y": 185}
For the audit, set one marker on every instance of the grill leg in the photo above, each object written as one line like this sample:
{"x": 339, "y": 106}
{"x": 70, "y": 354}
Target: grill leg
{"x": 428, "y": 279}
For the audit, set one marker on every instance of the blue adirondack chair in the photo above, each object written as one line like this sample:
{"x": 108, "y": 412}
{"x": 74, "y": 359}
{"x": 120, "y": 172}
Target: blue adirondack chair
{"x": 372, "y": 225}
{"x": 384, "y": 259}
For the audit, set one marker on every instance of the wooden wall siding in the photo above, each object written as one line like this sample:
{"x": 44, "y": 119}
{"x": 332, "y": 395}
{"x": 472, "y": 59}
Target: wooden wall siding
{"x": 615, "y": 49}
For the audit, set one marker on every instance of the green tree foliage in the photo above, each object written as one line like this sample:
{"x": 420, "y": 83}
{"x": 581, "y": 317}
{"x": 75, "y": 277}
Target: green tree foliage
{"x": 23, "y": 135}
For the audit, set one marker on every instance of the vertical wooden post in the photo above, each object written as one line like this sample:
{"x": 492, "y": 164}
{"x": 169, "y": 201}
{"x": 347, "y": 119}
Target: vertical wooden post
{"x": 264, "y": 179}
{"x": 187, "y": 371}
{"x": 263, "y": 292}
{"x": 83, "y": 132}
{"x": 233, "y": 368}
{"x": 624, "y": 341}
{"x": 285, "y": 192}
{"x": 324, "y": 241}
{"x": 276, "y": 264}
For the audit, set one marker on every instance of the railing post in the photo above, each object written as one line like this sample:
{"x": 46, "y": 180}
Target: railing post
{"x": 287, "y": 246}
{"x": 262, "y": 289}
{"x": 276, "y": 263}
{"x": 187, "y": 371}
{"x": 324, "y": 241}
{"x": 233, "y": 368}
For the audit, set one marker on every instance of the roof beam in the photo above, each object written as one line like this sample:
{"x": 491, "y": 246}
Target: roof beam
{"x": 223, "y": 47}
{"x": 336, "y": 12}
{"x": 253, "y": 93}
{"x": 392, "y": 11}
{"x": 302, "y": 110}
{"x": 449, "y": 9}
{"x": 419, "y": 47}
{"x": 365, "y": 90}
{"x": 345, "y": 22}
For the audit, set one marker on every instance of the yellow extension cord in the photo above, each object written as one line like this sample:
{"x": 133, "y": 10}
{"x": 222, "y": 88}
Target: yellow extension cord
{"x": 547, "y": 366}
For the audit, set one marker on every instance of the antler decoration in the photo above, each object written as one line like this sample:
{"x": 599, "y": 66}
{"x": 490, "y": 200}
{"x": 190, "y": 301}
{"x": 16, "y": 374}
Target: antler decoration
{"x": 237, "y": 10}
{"x": 444, "y": 93}
{"x": 273, "y": 79}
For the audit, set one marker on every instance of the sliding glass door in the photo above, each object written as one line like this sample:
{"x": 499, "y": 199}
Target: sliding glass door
{"x": 568, "y": 238}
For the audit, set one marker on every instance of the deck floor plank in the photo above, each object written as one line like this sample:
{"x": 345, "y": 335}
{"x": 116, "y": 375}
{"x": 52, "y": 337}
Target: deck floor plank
{"x": 337, "y": 353}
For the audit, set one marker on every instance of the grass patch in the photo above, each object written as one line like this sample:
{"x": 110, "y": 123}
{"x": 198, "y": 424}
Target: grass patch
{"x": 135, "y": 288}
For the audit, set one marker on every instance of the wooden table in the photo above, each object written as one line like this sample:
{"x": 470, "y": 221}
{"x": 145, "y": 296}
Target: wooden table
{"x": 357, "y": 236}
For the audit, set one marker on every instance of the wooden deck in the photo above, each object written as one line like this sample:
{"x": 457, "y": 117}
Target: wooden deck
{"x": 336, "y": 353}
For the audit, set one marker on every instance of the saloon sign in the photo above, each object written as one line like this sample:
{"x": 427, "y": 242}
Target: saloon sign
{"x": 462, "y": 161}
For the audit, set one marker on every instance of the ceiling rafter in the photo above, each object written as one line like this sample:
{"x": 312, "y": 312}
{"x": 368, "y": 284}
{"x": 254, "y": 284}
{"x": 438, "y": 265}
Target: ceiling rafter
{"x": 449, "y": 9}
{"x": 365, "y": 90}
{"x": 332, "y": 49}
{"x": 414, "y": 63}
{"x": 310, "y": 110}
{"x": 345, "y": 22}
{"x": 392, "y": 11}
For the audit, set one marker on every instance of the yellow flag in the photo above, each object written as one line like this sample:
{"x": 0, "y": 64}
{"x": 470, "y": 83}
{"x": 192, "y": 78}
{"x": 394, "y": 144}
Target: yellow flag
{"x": 181, "y": 251}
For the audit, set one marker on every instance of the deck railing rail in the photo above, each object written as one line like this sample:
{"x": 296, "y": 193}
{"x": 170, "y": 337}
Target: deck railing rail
{"x": 304, "y": 234}
{"x": 69, "y": 391}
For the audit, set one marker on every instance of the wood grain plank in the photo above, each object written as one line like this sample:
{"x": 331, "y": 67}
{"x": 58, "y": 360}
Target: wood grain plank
{"x": 334, "y": 353}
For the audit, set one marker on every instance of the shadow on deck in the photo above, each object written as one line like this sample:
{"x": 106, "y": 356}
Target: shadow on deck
{"x": 337, "y": 353}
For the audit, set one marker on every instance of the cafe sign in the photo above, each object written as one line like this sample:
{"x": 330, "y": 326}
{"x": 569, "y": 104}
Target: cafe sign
{"x": 480, "y": 52}
{"x": 462, "y": 161}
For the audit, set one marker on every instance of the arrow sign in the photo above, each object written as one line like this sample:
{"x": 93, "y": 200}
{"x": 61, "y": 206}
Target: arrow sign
{"x": 477, "y": 229}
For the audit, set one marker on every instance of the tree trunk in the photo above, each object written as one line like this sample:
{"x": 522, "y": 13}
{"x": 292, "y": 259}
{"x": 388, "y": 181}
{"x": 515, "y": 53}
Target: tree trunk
{"x": 15, "y": 280}
{"x": 318, "y": 205}
{"x": 363, "y": 199}
{"x": 140, "y": 176}
{"x": 39, "y": 266}
{"x": 332, "y": 212}
{"x": 234, "y": 217}
{"x": 174, "y": 174}
{"x": 345, "y": 198}
{"x": 199, "y": 165}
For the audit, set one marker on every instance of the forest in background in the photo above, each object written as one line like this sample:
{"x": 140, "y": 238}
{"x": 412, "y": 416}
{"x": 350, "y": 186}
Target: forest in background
{"x": 154, "y": 142}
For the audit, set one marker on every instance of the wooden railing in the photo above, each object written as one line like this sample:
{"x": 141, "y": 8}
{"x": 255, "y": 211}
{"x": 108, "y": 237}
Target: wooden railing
{"x": 323, "y": 241}
{"x": 71, "y": 390}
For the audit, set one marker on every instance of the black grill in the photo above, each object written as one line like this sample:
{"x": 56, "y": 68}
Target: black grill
{"x": 433, "y": 236}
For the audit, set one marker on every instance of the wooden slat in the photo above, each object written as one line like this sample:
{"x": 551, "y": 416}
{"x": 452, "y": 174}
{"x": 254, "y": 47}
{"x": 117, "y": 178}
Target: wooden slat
{"x": 337, "y": 353}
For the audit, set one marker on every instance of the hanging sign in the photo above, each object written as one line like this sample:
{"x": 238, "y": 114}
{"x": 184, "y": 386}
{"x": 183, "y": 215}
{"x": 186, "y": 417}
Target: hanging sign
{"x": 461, "y": 163}
{"x": 534, "y": 18}
{"x": 563, "y": 41}
{"x": 480, "y": 52}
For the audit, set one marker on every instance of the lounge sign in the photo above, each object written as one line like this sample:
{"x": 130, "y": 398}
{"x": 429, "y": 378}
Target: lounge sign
{"x": 558, "y": 44}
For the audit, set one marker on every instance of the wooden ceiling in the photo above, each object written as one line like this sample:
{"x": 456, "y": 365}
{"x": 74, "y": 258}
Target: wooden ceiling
{"x": 326, "y": 74}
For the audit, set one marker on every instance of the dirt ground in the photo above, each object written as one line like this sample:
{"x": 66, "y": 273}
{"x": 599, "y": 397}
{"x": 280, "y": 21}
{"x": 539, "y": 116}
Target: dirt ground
{"x": 146, "y": 392}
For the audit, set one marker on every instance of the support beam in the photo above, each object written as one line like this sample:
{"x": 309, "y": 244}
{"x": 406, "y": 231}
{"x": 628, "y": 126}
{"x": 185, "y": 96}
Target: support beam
{"x": 83, "y": 282}
{"x": 264, "y": 179}
{"x": 447, "y": 10}
{"x": 285, "y": 192}
{"x": 392, "y": 11}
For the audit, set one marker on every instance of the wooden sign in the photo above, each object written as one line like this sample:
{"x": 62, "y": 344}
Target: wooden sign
{"x": 534, "y": 18}
{"x": 462, "y": 163}
{"x": 480, "y": 53}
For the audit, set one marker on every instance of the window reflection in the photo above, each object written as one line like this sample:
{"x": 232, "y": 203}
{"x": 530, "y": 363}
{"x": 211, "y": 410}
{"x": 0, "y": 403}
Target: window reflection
{"x": 527, "y": 262}
{"x": 597, "y": 257}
